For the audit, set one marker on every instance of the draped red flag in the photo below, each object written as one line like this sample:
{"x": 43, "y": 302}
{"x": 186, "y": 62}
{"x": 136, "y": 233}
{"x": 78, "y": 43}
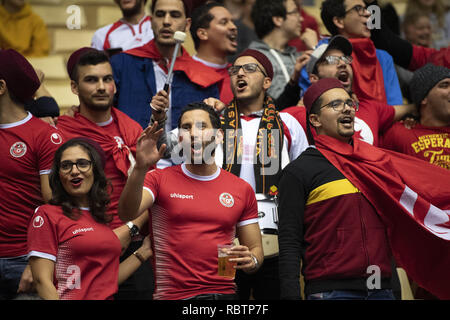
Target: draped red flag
{"x": 122, "y": 152}
{"x": 412, "y": 198}
{"x": 197, "y": 72}
{"x": 368, "y": 81}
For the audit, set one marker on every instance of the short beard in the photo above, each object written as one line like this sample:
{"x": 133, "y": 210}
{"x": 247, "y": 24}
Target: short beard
{"x": 132, "y": 11}
{"x": 98, "y": 108}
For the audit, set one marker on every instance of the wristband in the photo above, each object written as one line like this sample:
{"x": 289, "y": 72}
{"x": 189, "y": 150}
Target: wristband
{"x": 139, "y": 256}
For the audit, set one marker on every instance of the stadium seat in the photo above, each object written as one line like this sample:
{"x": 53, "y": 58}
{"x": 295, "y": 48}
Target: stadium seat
{"x": 57, "y": 16}
{"x": 67, "y": 41}
{"x": 53, "y": 66}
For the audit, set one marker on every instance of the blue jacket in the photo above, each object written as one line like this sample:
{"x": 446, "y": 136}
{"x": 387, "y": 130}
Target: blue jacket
{"x": 136, "y": 85}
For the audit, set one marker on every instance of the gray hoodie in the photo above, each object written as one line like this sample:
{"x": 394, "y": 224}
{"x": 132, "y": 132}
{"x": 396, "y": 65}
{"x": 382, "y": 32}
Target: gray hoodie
{"x": 288, "y": 58}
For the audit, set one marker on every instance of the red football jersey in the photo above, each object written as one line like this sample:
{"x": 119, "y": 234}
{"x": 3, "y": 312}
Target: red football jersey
{"x": 372, "y": 119}
{"x": 27, "y": 148}
{"x": 105, "y": 133}
{"x": 86, "y": 253}
{"x": 191, "y": 215}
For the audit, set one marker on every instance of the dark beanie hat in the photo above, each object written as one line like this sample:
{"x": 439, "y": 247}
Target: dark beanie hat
{"x": 75, "y": 57}
{"x": 425, "y": 79}
{"x": 261, "y": 58}
{"x": 19, "y": 75}
{"x": 318, "y": 88}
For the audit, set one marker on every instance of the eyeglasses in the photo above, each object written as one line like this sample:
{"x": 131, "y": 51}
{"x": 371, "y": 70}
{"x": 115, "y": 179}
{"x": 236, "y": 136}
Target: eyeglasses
{"x": 333, "y": 60}
{"x": 293, "y": 12}
{"x": 83, "y": 165}
{"x": 358, "y": 8}
{"x": 248, "y": 68}
{"x": 338, "y": 105}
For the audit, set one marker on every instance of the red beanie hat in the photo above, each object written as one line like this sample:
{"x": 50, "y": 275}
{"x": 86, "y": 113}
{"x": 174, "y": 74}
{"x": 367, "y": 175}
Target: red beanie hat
{"x": 261, "y": 58}
{"x": 318, "y": 88}
{"x": 19, "y": 75}
{"x": 75, "y": 57}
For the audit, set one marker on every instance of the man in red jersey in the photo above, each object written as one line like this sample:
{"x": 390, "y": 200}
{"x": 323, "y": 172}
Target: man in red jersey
{"x": 195, "y": 206}
{"x": 429, "y": 139}
{"x": 27, "y": 145}
{"x": 92, "y": 81}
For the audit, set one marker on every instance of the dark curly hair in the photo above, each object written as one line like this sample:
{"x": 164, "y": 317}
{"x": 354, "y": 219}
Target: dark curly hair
{"x": 98, "y": 194}
{"x": 262, "y": 13}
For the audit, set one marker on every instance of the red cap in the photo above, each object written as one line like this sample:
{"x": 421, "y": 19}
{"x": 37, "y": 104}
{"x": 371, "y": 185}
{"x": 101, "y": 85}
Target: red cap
{"x": 261, "y": 58}
{"x": 19, "y": 75}
{"x": 318, "y": 88}
{"x": 75, "y": 57}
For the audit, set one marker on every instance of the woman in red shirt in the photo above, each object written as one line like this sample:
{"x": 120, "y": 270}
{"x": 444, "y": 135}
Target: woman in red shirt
{"x": 74, "y": 255}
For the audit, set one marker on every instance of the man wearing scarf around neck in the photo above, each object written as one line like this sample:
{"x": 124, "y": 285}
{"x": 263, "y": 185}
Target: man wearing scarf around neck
{"x": 346, "y": 207}
{"x": 259, "y": 142}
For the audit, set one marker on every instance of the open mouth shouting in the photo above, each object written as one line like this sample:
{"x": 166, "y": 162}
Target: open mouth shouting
{"x": 76, "y": 182}
{"x": 232, "y": 36}
{"x": 241, "y": 85}
{"x": 344, "y": 77}
{"x": 346, "y": 121}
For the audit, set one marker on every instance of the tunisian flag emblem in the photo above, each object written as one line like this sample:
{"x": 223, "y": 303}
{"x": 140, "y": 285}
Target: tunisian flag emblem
{"x": 412, "y": 198}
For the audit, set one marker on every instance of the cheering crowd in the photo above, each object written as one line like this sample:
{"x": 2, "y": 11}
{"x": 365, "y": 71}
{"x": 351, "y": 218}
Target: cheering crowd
{"x": 319, "y": 158}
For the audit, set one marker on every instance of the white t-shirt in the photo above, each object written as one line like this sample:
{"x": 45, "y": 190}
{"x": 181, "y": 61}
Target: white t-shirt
{"x": 123, "y": 35}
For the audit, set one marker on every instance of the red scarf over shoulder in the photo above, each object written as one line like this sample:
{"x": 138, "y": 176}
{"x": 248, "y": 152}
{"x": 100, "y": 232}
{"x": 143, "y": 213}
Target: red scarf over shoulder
{"x": 197, "y": 72}
{"x": 123, "y": 154}
{"x": 412, "y": 198}
{"x": 368, "y": 81}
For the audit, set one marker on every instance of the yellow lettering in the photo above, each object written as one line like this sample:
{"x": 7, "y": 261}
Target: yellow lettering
{"x": 447, "y": 143}
{"x": 440, "y": 142}
{"x": 432, "y": 154}
{"x": 415, "y": 147}
{"x": 433, "y": 142}
{"x": 421, "y": 145}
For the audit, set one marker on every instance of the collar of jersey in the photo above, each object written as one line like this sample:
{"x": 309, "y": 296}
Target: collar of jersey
{"x": 197, "y": 177}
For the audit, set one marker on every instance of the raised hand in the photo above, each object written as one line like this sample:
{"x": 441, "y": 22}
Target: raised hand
{"x": 160, "y": 105}
{"x": 147, "y": 153}
{"x": 216, "y": 104}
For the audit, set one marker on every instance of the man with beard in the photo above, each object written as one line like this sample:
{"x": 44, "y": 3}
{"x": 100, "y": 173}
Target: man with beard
{"x": 141, "y": 73}
{"x": 259, "y": 142}
{"x": 326, "y": 222}
{"x": 346, "y": 207}
{"x": 195, "y": 207}
{"x": 92, "y": 81}
{"x": 215, "y": 38}
{"x": 133, "y": 30}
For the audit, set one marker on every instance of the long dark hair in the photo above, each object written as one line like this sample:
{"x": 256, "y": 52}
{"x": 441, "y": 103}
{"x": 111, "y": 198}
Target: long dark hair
{"x": 98, "y": 195}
